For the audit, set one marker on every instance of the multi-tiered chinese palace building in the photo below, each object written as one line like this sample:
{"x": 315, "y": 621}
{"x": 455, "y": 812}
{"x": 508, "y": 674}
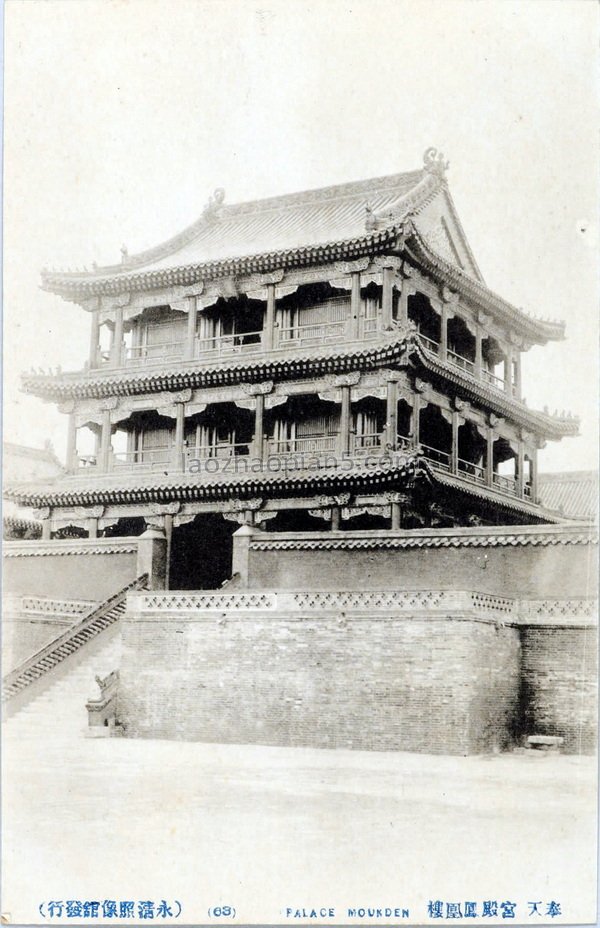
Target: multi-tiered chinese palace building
{"x": 326, "y": 358}
{"x": 315, "y": 401}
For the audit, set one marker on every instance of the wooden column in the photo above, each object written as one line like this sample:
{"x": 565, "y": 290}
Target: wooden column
{"x": 392, "y": 414}
{"x": 534, "y": 474}
{"x": 508, "y": 372}
{"x": 105, "y": 441}
{"x": 478, "y": 352}
{"x": 71, "y": 461}
{"x": 344, "y": 436}
{"x": 521, "y": 470}
{"x": 403, "y": 304}
{"x": 94, "y": 339}
{"x": 178, "y": 461}
{"x": 387, "y": 298}
{"x": 259, "y": 416}
{"x": 489, "y": 460}
{"x": 335, "y": 518}
{"x": 518, "y": 374}
{"x": 454, "y": 453}
{"x": 190, "y": 345}
{"x": 444, "y": 333}
{"x": 169, "y": 537}
{"x": 46, "y": 529}
{"x": 117, "y": 345}
{"x": 396, "y": 516}
{"x": 415, "y": 420}
{"x": 92, "y": 528}
{"x": 269, "y": 325}
{"x": 355, "y": 305}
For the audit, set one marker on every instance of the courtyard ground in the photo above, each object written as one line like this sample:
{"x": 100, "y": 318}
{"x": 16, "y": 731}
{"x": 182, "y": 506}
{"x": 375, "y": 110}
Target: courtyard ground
{"x": 264, "y": 830}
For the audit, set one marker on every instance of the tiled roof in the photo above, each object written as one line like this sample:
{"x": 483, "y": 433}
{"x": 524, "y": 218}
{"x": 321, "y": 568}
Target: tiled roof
{"x": 138, "y": 488}
{"x": 227, "y": 233}
{"x": 473, "y": 537}
{"x": 573, "y": 494}
{"x": 47, "y": 454}
{"x": 539, "y": 330}
{"x": 307, "y": 218}
{"x": 499, "y": 500}
{"x": 312, "y": 227}
{"x": 306, "y": 362}
{"x": 261, "y": 234}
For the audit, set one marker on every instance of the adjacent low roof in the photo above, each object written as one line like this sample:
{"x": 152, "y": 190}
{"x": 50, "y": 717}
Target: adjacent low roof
{"x": 572, "y": 494}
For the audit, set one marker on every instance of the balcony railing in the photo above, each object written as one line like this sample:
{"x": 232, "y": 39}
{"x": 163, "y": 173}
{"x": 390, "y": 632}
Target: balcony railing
{"x": 460, "y": 361}
{"x": 309, "y": 332}
{"x": 150, "y": 458}
{"x": 439, "y": 458}
{"x": 472, "y": 471}
{"x": 310, "y": 445}
{"x": 465, "y": 364}
{"x": 429, "y": 343}
{"x": 508, "y": 484}
{"x": 235, "y": 343}
{"x": 475, "y": 473}
{"x": 221, "y": 451}
{"x": 492, "y": 379}
{"x": 158, "y": 352}
{"x": 316, "y": 446}
{"x": 367, "y": 442}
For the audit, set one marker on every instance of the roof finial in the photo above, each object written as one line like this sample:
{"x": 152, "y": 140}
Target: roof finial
{"x": 215, "y": 202}
{"x": 433, "y": 162}
{"x": 370, "y": 221}
{"x": 124, "y": 253}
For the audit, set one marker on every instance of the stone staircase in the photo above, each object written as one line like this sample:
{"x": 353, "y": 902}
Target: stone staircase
{"x": 45, "y": 696}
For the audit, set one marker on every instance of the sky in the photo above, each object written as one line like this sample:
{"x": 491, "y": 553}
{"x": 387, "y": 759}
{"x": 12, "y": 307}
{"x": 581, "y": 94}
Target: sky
{"x": 122, "y": 117}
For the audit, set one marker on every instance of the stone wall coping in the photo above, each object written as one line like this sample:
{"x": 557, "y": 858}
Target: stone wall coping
{"x": 478, "y": 536}
{"x": 70, "y": 546}
{"x": 42, "y": 605}
{"x": 195, "y": 606}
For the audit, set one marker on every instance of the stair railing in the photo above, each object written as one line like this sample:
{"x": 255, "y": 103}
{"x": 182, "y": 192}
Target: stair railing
{"x": 65, "y": 644}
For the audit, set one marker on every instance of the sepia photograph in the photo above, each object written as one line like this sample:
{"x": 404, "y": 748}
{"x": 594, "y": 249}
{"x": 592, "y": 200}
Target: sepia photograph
{"x": 300, "y": 462}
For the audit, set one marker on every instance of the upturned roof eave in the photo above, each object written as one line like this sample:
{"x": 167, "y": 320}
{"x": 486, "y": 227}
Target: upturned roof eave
{"x": 176, "y": 487}
{"x": 414, "y": 467}
{"x": 538, "y": 330}
{"x": 74, "y": 286}
{"x": 397, "y": 237}
{"x": 57, "y": 388}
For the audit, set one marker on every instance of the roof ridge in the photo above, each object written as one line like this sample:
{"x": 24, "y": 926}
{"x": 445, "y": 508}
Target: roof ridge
{"x": 216, "y": 211}
{"x": 567, "y": 474}
{"x": 327, "y": 192}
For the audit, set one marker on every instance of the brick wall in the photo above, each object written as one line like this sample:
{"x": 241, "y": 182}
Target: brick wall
{"x": 437, "y": 685}
{"x": 523, "y": 572}
{"x": 559, "y": 681}
{"x": 69, "y": 570}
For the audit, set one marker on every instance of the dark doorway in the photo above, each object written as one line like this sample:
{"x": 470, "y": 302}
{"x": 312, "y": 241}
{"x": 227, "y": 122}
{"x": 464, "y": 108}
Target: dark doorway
{"x": 125, "y": 528}
{"x": 297, "y": 520}
{"x": 365, "y": 522}
{"x": 201, "y": 553}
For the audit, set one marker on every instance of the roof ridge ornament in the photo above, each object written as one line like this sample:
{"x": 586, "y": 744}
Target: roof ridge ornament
{"x": 215, "y": 202}
{"x": 370, "y": 220}
{"x": 434, "y": 163}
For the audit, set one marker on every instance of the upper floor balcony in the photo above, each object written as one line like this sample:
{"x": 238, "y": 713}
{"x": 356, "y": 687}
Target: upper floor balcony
{"x": 308, "y": 433}
{"x": 312, "y": 317}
